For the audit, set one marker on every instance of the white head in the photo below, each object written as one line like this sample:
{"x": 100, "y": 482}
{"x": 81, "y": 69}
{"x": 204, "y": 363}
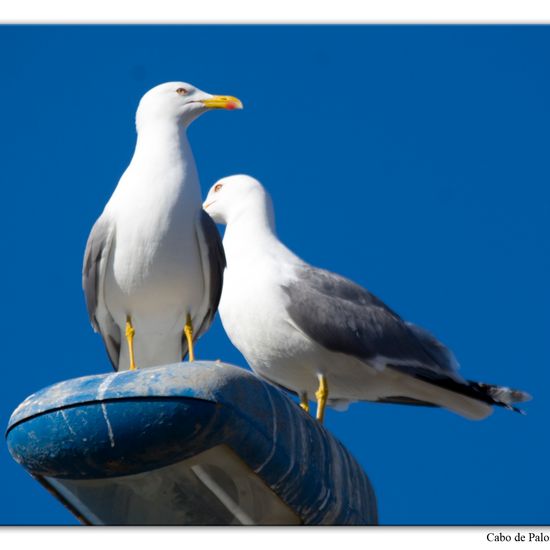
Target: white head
{"x": 180, "y": 103}
{"x": 237, "y": 196}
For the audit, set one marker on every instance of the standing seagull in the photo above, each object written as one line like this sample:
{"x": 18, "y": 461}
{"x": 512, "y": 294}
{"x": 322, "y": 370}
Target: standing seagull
{"x": 154, "y": 262}
{"x": 310, "y": 330}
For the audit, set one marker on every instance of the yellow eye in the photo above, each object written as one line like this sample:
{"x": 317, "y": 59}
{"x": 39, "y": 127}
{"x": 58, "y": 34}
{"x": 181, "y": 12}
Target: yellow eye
{"x": 181, "y": 91}
{"x": 217, "y": 187}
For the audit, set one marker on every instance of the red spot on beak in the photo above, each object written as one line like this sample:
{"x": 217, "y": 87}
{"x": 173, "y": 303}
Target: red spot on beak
{"x": 231, "y": 105}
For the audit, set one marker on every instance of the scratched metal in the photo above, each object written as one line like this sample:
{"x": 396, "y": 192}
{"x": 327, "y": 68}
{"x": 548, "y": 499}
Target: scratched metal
{"x": 133, "y": 421}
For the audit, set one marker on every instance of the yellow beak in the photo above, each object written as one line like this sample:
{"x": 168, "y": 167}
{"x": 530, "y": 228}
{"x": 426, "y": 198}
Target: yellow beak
{"x": 222, "y": 102}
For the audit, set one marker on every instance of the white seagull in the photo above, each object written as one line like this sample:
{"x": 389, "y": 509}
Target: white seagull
{"x": 310, "y": 330}
{"x": 153, "y": 264}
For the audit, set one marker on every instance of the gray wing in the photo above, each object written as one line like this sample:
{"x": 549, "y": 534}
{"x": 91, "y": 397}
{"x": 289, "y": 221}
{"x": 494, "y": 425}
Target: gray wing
{"x": 344, "y": 317}
{"x": 445, "y": 357}
{"x": 96, "y": 255}
{"x": 213, "y": 262}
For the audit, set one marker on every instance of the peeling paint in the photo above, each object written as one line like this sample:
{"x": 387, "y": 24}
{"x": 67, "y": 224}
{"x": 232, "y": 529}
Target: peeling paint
{"x": 100, "y": 395}
{"x": 64, "y": 415}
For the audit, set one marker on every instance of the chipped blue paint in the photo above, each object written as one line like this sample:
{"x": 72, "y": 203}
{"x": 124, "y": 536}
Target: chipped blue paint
{"x": 128, "y": 422}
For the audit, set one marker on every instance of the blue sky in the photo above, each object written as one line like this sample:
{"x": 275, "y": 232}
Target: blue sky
{"x": 411, "y": 159}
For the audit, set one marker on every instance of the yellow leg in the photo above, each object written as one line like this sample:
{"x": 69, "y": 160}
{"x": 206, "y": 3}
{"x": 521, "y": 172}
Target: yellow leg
{"x": 321, "y": 394}
{"x": 304, "y": 403}
{"x": 188, "y": 330}
{"x": 130, "y": 339}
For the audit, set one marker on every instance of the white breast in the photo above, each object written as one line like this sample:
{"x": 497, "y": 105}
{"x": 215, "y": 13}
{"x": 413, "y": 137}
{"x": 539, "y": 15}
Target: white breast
{"x": 154, "y": 272}
{"x": 253, "y": 314}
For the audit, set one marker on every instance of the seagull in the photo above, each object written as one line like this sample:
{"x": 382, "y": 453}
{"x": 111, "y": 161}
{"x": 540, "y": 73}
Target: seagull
{"x": 309, "y": 331}
{"x": 153, "y": 264}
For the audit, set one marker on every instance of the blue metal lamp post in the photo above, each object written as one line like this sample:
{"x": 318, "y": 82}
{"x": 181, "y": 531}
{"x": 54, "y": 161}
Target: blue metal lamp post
{"x": 202, "y": 443}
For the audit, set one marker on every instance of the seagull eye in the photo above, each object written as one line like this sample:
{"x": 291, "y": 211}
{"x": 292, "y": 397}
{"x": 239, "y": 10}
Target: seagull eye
{"x": 181, "y": 91}
{"x": 217, "y": 187}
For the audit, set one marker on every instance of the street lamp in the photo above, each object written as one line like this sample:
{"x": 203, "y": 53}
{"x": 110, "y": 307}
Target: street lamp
{"x": 202, "y": 443}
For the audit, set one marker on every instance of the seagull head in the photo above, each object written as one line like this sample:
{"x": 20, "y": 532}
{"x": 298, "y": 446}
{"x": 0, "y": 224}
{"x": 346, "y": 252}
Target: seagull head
{"x": 237, "y": 196}
{"x": 181, "y": 103}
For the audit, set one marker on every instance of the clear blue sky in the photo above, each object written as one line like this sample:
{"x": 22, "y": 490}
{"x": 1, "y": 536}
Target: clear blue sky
{"x": 411, "y": 159}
